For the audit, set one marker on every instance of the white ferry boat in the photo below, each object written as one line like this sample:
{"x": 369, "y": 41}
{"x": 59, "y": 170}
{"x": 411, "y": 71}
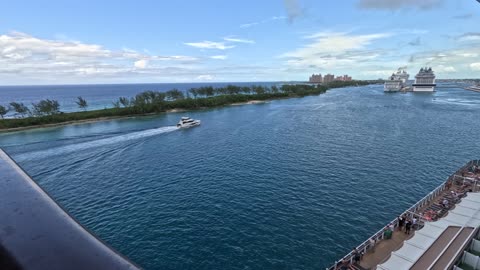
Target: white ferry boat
{"x": 397, "y": 81}
{"x": 187, "y": 122}
{"x": 424, "y": 81}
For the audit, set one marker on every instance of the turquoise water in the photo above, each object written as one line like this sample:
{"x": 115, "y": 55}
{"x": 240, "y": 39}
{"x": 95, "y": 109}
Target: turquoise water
{"x": 291, "y": 184}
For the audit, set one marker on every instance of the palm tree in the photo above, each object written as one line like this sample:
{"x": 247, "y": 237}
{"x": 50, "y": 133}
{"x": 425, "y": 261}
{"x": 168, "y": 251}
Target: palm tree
{"x": 82, "y": 103}
{"x": 124, "y": 101}
{"x": 46, "y": 107}
{"x": 20, "y": 108}
{"x": 3, "y": 110}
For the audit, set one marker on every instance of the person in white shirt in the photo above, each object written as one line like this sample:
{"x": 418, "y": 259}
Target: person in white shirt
{"x": 445, "y": 203}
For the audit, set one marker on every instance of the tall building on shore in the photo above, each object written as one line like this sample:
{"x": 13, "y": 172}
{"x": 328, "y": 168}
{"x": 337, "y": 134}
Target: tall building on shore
{"x": 316, "y": 78}
{"x": 344, "y": 78}
{"x": 328, "y": 78}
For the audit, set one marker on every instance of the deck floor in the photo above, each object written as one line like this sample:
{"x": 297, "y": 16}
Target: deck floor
{"x": 382, "y": 250}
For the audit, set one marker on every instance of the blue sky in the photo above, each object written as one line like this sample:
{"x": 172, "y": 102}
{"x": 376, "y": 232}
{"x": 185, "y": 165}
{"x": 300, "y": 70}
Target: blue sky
{"x": 55, "y": 42}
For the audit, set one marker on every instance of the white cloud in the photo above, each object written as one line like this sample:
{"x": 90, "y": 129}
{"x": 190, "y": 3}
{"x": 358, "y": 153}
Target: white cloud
{"x": 454, "y": 62}
{"x": 271, "y": 19}
{"x": 142, "y": 63}
{"x": 475, "y": 66}
{"x": 224, "y": 45}
{"x": 248, "y": 25}
{"x": 327, "y": 49}
{"x": 339, "y": 42}
{"x": 445, "y": 69}
{"x": 382, "y": 73}
{"x": 24, "y": 57}
{"x": 400, "y": 4}
{"x": 210, "y": 45}
{"x": 367, "y": 57}
{"x": 21, "y": 46}
{"x": 175, "y": 58}
{"x": 469, "y": 37}
{"x": 219, "y": 57}
{"x": 206, "y": 77}
{"x": 239, "y": 40}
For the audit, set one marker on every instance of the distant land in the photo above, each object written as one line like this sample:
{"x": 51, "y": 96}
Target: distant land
{"x": 47, "y": 112}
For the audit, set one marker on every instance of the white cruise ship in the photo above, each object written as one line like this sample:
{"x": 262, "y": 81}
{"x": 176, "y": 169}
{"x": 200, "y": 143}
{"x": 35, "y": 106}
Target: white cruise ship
{"x": 424, "y": 81}
{"x": 397, "y": 81}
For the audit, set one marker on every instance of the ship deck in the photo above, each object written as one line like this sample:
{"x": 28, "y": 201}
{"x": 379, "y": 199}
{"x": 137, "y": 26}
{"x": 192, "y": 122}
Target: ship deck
{"x": 377, "y": 250}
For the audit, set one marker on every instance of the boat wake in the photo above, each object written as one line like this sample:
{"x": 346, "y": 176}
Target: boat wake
{"x": 95, "y": 143}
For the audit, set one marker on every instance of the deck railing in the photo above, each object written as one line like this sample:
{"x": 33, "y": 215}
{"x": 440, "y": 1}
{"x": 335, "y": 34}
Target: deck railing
{"x": 379, "y": 235}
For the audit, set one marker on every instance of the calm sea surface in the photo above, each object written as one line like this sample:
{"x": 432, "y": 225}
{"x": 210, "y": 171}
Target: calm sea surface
{"x": 291, "y": 184}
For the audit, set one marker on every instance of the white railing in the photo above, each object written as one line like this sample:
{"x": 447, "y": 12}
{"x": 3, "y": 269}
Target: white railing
{"x": 372, "y": 240}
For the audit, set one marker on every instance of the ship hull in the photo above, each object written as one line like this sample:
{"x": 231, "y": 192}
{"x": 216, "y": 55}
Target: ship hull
{"x": 392, "y": 86}
{"x": 391, "y": 90}
{"x": 424, "y": 87}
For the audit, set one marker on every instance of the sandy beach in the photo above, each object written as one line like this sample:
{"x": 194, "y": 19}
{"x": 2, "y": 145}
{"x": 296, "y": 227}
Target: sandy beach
{"x": 249, "y": 102}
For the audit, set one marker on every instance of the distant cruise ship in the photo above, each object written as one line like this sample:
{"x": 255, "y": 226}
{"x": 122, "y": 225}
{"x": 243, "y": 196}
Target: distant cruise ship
{"x": 397, "y": 81}
{"x": 424, "y": 81}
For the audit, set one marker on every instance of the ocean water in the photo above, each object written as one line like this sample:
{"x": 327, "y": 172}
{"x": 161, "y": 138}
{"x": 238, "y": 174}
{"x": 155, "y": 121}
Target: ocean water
{"x": 290, "y": 184}
{"x": 98, "y": 96}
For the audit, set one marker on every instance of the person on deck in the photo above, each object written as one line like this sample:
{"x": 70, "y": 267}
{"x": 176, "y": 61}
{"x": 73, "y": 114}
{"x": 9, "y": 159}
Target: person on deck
{"x": 356, "y": 256}
{"x": 445, "y": 203}
{"x": 343, "y": 265}
{"x": 401, "y": 222}
{"x": 408, "y": 226}
{"x": 454, "y": 195}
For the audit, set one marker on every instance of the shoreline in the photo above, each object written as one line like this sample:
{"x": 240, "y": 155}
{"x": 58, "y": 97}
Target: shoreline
{"x": 250, "y": 102}
{"x": 74, "y": 122}
{"x": 103, "y": 119}
{"x": 178, "y": 105}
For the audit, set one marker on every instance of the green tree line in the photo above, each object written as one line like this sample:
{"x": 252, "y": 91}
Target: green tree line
{"x": 48, "y": 111}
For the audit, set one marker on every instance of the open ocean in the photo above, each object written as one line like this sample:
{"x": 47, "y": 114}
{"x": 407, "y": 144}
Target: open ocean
{"x": 290, "y": 184}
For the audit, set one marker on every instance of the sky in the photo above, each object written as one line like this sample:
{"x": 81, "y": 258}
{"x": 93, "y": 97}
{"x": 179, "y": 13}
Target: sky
{"x": 143, "y": 41}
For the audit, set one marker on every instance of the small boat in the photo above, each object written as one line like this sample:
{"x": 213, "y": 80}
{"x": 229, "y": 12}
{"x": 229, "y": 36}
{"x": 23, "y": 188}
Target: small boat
{"x": 187, "y": 122}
